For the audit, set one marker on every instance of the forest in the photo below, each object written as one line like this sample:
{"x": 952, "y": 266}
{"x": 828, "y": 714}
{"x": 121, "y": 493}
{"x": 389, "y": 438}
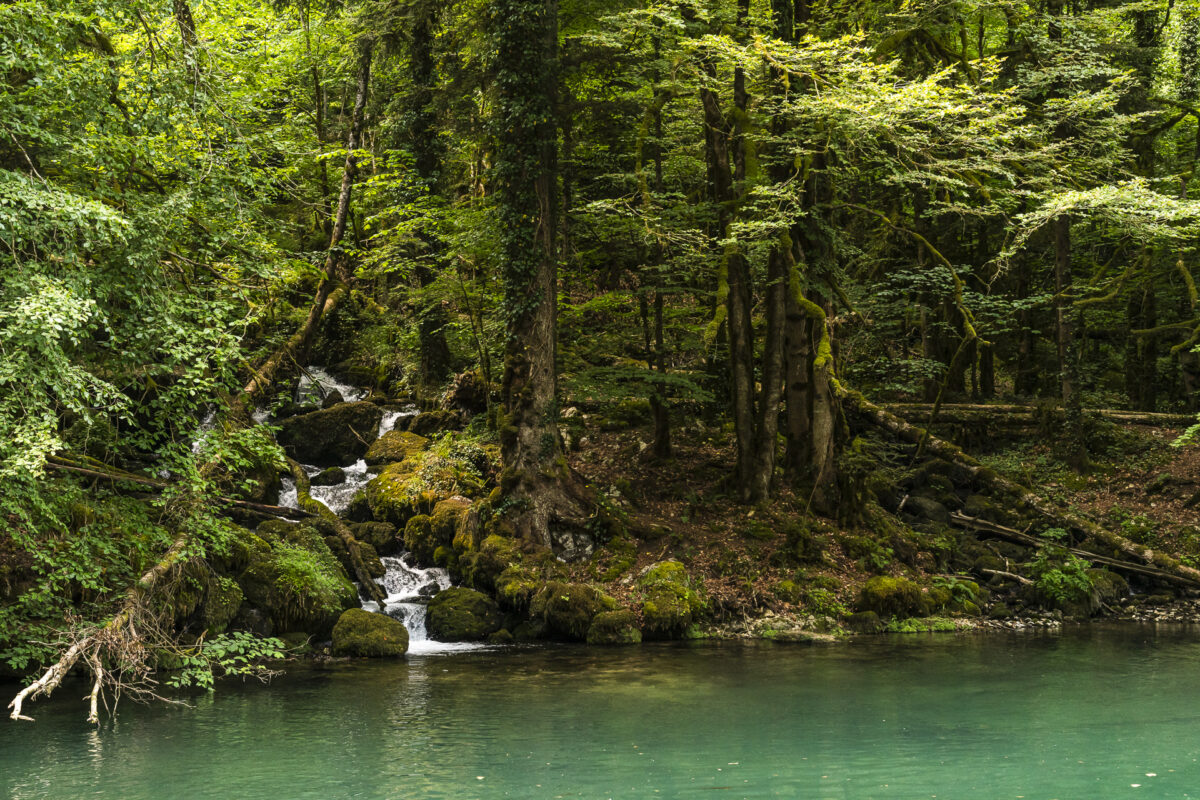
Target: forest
{"x": 793, "y": 319}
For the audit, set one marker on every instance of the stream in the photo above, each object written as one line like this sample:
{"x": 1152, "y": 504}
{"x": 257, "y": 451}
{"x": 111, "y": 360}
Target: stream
{"x": 409, "y": 587}
{"x": 1092, "y": 712}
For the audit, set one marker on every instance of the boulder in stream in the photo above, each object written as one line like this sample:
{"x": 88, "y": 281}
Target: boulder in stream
{"x": 361, "y": 633}
{"x": 333, "y": 436}
{"x": 614, "y": 627}
{"x": 463, "y": 615}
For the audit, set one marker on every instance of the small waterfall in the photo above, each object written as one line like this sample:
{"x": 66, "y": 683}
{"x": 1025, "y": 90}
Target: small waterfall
{"x": 338, "y": 496}
{"x": 390, "y": 418}
{"x": 409, "y": 587}
{"x": 409, "y": 590}
{"x": 316, "y": 383}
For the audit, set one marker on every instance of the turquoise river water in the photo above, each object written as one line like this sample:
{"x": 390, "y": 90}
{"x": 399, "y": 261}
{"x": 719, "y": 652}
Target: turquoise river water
{"x": 1087, "y": 713}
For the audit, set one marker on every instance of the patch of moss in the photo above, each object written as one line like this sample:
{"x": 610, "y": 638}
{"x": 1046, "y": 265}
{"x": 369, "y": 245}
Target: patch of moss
{"x": 922, "y": 625}
{"x": 670, "y": 602}
{"x": 892, "y": 597}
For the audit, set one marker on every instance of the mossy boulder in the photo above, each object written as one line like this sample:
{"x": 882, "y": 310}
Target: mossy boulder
{"x": 434, "y": 422}
{"x": 395, "y": 446}
{"x": 331, "y": 436}
{"x": 447, "y": 516}
{"x": 484, "y": 566}
{"x": 670, "y": 603}
{"x": 390, "y": 495}
{"x": 361, "y": 633}
{"x": 370, "y": 558}
{"x": 1107, "y": 587}
{"x": 516, "y": 585}
{"x": 299, "y": 584}
{"x": 569, "y": 608}
{"x": 892, "y": 597}
{"x": 614, "y": 627}
{"x": 330, "y": 476}
{"x": 379, "y": 535}
{"x": 463, "y": 615}
{"x": 419, "y": 539}
{"x": 221, "y": 604}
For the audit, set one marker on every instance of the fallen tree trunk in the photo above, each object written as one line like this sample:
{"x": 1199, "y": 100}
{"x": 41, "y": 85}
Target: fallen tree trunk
{"x": 1019, "y": 537}
{"x": 1024, "y": 498}
{"x": 319, "y": 509}
{"x": 129, "y": 477}
{"x": 1015, "y": 414}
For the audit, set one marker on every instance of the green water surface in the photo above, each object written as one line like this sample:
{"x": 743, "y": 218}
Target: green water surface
{"x": 1088, "y": 713}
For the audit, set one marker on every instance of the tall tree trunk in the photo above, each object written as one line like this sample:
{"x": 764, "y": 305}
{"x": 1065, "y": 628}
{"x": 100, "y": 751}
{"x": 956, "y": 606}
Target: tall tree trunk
{"x": 1068, "y": 368}
{"x": 733, "y": 282}
{"x": 541, "y": 488}
{"x": 433, "y": 351}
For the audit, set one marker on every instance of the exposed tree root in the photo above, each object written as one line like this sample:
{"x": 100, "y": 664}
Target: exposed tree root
{"x": 319, "y": 509}
{"x": 126, "y": 640}
{"x": 1024, "y": 498}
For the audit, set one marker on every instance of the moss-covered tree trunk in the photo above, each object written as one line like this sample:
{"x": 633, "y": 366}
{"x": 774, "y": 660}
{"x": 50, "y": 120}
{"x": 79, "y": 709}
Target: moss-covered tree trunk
{"x": 540, "y": 487}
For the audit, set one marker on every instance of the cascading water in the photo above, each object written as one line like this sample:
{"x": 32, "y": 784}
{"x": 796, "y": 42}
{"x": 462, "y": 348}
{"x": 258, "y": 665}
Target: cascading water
{"x": 409, "y": 587}
{"x": 316, "y": 383}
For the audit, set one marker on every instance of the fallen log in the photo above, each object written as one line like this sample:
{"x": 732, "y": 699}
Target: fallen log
{"x": 1012, "y": 576}
{"x": 319, "y": 509}
{"x": 1019, "y": 537}
{"x": 988, "y": 478}
{"x": 1016, "y": 414}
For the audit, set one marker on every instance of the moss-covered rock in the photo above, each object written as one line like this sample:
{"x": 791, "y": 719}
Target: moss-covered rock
{"x": 447, "y": 516}
{"x": 388, "y": 496}
{"x": 331, "y": 436}
{"x": 298, "y": 583}
{"x": 419, "y": 539}
{"x": 670, "y": 602}
{"x": 462, "y": 615}
{"x": 516, "y": 585}
{"x": 614, "y": 627}
{"x": 434, "y": 422}
{"x": 379, "y": 535}
{"x": 361, "y": 633}
{"x": 221, "y": 604}
{"x": 330, "y": 476}
{"x": 569, "y": 608}
{"x": 482, "y": 567}
{"x": 395, "y": 446}
{"x": 892, "y": 597}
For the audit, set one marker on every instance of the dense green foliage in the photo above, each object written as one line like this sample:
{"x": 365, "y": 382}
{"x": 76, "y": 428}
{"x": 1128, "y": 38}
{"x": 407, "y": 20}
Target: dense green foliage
{"x": 748, "y": 213}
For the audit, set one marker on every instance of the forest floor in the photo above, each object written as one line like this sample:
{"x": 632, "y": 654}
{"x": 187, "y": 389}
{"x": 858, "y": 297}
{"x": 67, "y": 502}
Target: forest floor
{"x": 752, "y": 562}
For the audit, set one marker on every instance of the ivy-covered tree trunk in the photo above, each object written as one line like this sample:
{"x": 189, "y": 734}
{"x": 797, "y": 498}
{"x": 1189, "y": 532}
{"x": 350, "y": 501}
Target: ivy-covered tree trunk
{"x": 536, "y": 480}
